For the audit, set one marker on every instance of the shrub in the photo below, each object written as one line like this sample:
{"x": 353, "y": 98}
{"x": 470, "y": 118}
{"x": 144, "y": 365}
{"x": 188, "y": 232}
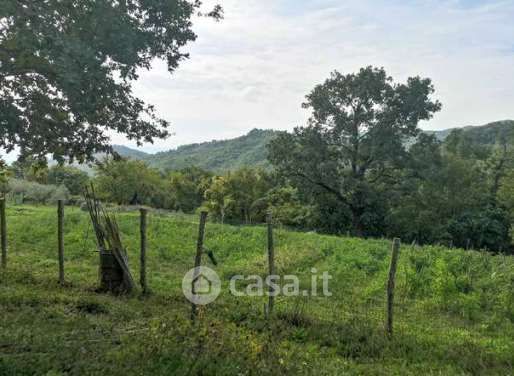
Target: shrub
{"x": 37, "y": 193}
{"x": 72, "y": 178}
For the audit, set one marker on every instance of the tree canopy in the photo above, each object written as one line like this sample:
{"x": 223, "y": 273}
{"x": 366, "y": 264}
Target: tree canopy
{"x": 67, "y": 67}
{"x": 129, "y": 182}
{"x": 355, "y": 137}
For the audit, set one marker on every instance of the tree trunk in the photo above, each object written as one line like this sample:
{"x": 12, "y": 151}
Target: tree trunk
{"x": 357, "y": 226}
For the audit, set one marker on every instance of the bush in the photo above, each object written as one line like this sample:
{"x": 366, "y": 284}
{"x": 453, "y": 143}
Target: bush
{"x": 72, "y": 178}
{"x": 37, "y": 193}
{"x": 129, "y": 182}
{"x": 488, "y": 229}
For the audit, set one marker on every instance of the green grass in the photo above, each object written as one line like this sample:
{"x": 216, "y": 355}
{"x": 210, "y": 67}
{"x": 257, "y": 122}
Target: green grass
{"x": 454, "y": 309}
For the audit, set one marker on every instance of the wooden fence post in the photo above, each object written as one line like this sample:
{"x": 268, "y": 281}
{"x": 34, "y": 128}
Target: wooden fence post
{"x": 3, "y": 232}
{"x": 60, "y": 239}
{"x": 271, "y": 262}
{"x": 391, "y": 284}
{"x": 198, "y": 260}
{"x": 142, "y": 228}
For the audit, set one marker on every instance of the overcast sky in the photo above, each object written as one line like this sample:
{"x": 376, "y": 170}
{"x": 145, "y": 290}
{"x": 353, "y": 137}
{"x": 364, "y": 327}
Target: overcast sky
{"x": 253, "y": 69}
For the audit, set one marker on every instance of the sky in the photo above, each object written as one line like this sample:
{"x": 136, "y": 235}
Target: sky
{"x": 254, "y": 68}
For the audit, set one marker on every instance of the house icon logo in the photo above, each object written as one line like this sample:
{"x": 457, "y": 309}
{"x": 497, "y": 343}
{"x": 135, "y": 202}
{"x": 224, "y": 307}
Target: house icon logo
{"x": 201, "y": 285}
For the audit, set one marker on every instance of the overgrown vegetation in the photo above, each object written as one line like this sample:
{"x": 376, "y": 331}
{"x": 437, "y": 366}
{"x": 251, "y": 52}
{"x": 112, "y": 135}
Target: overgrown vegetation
{"x": 454, "y": 311}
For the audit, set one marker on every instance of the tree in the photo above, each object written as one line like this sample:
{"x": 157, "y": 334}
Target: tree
{"x": 245, "y": 195}
{"x": 72, "y": 178}
{"x": 506, "y": 193}
{"x": 4, "y": 177}
{"x": 285, "y": 205}
{"x": 36, "y": 193}
{"x": 31, "y": 169}
{"x": 498, "y": 166}
{"x": 355, "y": 137}
{"x": 130, "y": 182}
{"x": 453, "y": 193}
{"x": 188, "y": 187}
{"x": 436, "y": 188}
{"x": 218, "y": 197}
{"x": 67, "y": 69}
{"x": 248, "y": 188}
{"x": 487, "y": 228}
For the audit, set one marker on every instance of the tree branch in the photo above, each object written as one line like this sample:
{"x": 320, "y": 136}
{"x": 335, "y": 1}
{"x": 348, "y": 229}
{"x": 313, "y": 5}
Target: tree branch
{"x": 322, "y": 185}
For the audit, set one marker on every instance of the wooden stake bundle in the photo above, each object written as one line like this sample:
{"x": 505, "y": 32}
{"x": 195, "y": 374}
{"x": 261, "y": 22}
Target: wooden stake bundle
{"x": 108, "y": 239}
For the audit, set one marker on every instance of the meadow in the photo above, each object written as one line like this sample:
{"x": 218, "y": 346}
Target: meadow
{"x": 454, "y": 311}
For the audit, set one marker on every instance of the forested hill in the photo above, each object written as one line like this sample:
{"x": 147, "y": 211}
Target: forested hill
{"x": 250, "y": 149}
{"x": 219, "y": 156}
{"x": 130, "y": 153}
{"x": 485, "y": 134}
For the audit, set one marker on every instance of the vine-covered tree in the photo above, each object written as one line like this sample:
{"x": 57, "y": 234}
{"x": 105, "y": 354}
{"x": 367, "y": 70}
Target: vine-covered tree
{"x": 355, "y": 137}
{"x": 66, "y": 69}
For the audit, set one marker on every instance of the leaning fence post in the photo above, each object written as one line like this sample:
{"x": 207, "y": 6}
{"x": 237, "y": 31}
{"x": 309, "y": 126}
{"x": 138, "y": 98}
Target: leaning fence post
{"x": 271, "y": 263}
{"x": 3, "y": 232}
{"x": 142, "y": 228}
{"x": 391, "y": 284}
{"x": 198, "y": 261}
{"x": 60, "y": 238}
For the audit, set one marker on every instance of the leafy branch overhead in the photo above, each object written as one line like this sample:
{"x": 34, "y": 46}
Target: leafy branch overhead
{"x": 67, "y": 69}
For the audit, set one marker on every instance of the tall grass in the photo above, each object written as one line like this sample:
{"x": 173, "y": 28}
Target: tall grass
{"x": 454, "y": 311}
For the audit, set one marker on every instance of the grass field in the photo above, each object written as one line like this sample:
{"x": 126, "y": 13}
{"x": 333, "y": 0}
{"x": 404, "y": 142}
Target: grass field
{"x": 454, "y": 308}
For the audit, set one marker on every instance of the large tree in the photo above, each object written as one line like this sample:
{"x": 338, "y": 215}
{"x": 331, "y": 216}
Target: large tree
{"x": 355, "y": 137}
{"x": 66, "y": 68}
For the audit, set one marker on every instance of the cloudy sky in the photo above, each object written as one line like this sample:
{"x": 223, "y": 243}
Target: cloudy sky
{"x": 253, "y": 69}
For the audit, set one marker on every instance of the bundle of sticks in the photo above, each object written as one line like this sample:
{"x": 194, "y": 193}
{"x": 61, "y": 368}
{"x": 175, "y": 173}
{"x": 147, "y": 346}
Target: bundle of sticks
{"x": 108, "y": 235}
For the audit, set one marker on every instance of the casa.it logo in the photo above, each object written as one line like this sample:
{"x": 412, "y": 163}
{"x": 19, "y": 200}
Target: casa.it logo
{"x": 201, "y": 285}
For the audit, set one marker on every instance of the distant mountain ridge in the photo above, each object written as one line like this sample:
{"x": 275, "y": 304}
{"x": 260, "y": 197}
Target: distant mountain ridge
{"x": 219, "y": 156}
{"x": 127, "y": 152}
{"x": 485, "y": 134}
{"x": 250, "y": 149}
